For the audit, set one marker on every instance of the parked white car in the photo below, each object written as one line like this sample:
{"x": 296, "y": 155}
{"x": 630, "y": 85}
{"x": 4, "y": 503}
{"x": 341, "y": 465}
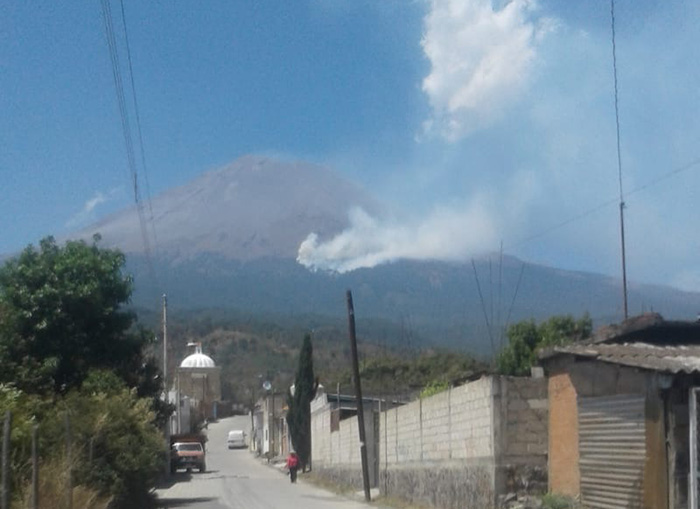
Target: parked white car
{"x": 236, "y": 439}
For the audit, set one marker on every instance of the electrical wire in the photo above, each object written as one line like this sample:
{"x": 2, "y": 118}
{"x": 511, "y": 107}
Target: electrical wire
{"x": 137, "y": 117}
{"x": 126, "y": 129}
{"x": 483, "y": 308}
{"x": 642, "y": 187}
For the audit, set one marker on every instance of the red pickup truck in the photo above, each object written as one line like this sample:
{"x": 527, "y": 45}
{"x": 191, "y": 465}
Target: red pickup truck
{"x": 188, "y": 452}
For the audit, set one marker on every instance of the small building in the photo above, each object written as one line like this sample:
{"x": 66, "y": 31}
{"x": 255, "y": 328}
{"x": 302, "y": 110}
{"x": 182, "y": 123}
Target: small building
{"x": 197, "y": 388}
{"x": 270, "y": 433}
{"x": 623, "y": 415}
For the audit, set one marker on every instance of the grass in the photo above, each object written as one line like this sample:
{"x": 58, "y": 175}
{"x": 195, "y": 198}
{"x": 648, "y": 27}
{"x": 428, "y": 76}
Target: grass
{"x": 52, "y": 491}
{"x": 345, "y": 490}
{"x": 554, "y": 501}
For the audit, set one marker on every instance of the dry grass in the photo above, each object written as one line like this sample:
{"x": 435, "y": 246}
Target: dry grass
{"x": 342, "y": 489}
{"x": 53, "y": 479}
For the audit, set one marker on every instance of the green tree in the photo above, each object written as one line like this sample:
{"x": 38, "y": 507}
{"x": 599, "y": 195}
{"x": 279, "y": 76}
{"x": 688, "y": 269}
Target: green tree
{"x": 62, "y": 314}
{"x": 117, "y": 451}
{"x": 526, "y": 337}
{"x": 299, "y": 404}
{"x": 68, "y": 346}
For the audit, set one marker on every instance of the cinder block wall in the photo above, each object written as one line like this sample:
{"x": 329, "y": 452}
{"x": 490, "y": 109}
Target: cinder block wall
{"x": 336, "y": 455}
{"x": 439, "y": 450}
{"x": 457, "y": 449}
{"x": 521, "y": 427}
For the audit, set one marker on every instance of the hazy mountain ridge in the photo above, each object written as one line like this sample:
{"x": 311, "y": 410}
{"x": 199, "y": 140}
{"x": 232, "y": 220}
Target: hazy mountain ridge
{"x": 431, "y": 302}
{"x": 229, "y": 239}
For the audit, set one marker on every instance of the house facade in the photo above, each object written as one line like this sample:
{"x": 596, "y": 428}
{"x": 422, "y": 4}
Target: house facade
{"x": 270, "y": 433}
{"x": 623, "y": 416}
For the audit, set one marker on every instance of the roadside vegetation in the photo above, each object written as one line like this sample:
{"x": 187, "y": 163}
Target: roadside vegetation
{"x": 247, "y": 346}
{"x": 75, "y": 367}
{"x": 298, "y": 403}
{"x": 527, "y": 337}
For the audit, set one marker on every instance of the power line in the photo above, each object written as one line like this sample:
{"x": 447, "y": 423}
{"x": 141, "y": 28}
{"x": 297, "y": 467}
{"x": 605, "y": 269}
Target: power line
{"x": 642, "y": 187}
{"x": 483, "y": 308}
{"x": 515, "y": 294}
{"x": 126, "y": 128}
{"x": 138, "y": 126}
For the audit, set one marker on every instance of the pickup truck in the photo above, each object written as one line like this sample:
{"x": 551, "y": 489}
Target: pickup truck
{"x": 188, "y": 452}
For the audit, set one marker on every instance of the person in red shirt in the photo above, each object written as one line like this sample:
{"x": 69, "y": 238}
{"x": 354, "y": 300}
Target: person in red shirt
{"x": 293, "y": 465}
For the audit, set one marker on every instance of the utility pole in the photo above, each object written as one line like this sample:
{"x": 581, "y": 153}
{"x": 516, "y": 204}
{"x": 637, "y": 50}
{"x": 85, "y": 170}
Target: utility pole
{"x": 165, "y": 383}
{"x": 619, "y": 167}
{"x": 358, "y": 395}
{"x": 69, "y": 460}
{"x": 274, "y": 425}
{"x": 35, "y": 466}
{"x": 6, "y": 432}
{"x": 165, "y": 344}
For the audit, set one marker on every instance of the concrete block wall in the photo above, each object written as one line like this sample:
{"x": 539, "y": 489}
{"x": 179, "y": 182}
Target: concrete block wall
{"x": 435, "y": 428}
{"x": 459, "y": 448}
{"x": 526, "y": 417}
{"x": 408, "y": 433}
{"x": 472, "y": 416}
{"x": 521, "y": 428}
{"x": 336, "y": 455}
{"x": 439, "y": 450}
{"x": 348, "y": 440}
{"x": 321, "y": 439}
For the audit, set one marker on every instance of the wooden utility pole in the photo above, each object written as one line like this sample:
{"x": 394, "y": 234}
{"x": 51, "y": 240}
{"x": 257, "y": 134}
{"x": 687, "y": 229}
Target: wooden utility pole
{"x": 165, "y": 383}
{"x": 165, "y": 344}
{"x": 35, "y": 467}
{"x": 69, "y": 460}
{"x": 358, "y": 395}
{"x": 7, "y": 428}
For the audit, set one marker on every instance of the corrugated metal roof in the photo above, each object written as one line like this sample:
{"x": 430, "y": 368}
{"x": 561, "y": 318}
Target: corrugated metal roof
{"x": 669, "y": 359}
{"x": 650, "y": 328}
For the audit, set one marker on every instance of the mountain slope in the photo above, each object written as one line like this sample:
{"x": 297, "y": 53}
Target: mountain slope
{"x": 255, "y": 207}
{"x": 229, "y": 239}
{"x": 428, "y": 303}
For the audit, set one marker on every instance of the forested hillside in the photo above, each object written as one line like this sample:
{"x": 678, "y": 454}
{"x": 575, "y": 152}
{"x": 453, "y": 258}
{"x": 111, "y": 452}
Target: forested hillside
{"x": 251, "y": 349}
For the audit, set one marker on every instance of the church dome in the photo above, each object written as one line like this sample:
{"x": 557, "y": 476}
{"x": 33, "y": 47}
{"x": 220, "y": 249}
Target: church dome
{"x": 198, "y": 360}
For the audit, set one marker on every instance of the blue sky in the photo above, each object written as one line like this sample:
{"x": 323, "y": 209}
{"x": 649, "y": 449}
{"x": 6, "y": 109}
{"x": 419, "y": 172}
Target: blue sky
{"x": 481, "y": 121}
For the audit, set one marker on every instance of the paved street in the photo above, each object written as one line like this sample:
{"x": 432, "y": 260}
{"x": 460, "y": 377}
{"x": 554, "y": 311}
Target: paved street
{"x": 236, "y": 479}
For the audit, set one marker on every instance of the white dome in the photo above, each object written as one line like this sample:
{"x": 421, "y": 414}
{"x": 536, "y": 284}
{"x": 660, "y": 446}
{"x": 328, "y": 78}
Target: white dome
{"x": 198, "y": 360}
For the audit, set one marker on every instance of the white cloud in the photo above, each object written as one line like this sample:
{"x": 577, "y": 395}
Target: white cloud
{"x": 481, "y": 60}
{"x": 445, "y": 234}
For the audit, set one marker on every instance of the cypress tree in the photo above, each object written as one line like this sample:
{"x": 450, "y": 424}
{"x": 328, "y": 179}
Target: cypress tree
{"x": 299, "y": 413}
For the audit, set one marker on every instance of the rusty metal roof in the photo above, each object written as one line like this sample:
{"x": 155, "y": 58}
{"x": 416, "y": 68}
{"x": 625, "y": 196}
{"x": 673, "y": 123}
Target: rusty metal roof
{"x": 668, "y": 359}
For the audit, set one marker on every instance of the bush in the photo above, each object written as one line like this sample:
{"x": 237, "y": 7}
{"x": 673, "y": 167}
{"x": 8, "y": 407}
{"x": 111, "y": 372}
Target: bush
{"x": 116, "y": 450}
{"x": 554, "y": 501}
{"x": 525, "y": 338}
{"x": 433, "y": 388}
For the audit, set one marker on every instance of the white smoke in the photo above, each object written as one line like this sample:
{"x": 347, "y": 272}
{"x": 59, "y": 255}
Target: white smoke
{"x": 443, "y": 235}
